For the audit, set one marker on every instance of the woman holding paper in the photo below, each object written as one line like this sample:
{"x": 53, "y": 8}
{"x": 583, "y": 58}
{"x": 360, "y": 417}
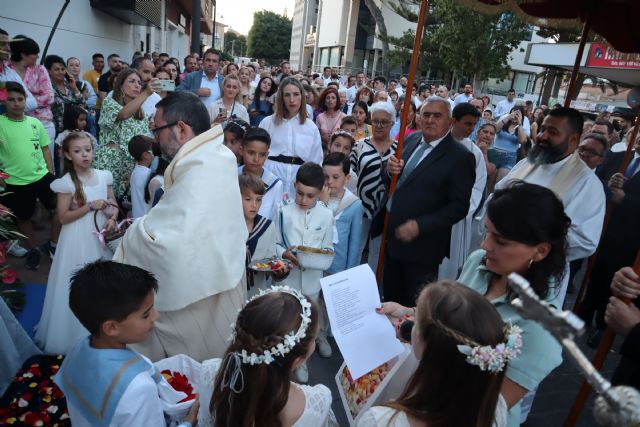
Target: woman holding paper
{"x": 450, "y": 387}
{"x": 526, "y": 230}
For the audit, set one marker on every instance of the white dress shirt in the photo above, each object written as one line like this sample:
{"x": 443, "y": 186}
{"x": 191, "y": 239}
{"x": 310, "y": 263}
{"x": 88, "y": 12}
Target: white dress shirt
{"x": 212, "y": 85}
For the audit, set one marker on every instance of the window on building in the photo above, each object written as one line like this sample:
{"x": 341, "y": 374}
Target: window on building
{"x": 324, "y": 56}
{"x": 336, "y": 56}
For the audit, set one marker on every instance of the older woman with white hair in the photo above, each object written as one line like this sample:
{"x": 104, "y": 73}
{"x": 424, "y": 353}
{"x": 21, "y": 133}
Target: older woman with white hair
{"x": 343, "y": 97}
{"x": 367, "y": 161}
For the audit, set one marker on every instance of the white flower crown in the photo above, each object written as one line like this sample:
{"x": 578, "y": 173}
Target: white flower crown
{"x": 494, "y": 359}
{"x": 290, "y": 340}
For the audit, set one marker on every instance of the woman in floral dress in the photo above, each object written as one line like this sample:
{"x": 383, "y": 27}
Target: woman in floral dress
{"x": 64, "y": 89}
{"x": 122, "y": 118}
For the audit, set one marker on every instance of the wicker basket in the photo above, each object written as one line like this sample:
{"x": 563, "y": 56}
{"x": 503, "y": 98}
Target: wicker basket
{"x": 314, "y": 258}
{"x": 112, "y": 238}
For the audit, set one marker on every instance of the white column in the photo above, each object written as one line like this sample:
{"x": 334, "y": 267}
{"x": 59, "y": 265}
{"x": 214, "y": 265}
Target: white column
{"x": 316, "y": 51}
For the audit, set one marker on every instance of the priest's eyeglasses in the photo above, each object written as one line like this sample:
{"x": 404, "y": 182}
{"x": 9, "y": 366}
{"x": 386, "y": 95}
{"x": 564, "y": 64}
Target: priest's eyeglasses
{"x": 156, "y": 131}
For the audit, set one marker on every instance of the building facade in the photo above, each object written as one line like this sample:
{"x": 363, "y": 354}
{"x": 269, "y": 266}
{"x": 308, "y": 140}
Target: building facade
{"x": 105, "y": 26}
{"x": 303, "y": 31}
{"x": 340, "y": 34}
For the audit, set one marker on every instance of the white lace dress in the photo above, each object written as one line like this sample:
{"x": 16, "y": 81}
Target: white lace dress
{"x": 317, "y": 407}
{"x": 383, "y": 416}
{"x": 58, "y": 329}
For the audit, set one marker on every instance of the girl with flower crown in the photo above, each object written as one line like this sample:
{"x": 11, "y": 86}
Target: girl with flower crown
{"x": 273, "y": 335}
{"x": 463, "y": 347}
{"x": 526, "y": 230}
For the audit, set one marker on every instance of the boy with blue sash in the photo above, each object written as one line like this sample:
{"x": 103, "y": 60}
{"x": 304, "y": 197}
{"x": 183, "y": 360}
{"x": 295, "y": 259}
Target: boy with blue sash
{"x": 104, "y": 382}
{"x": 347, "y": 212}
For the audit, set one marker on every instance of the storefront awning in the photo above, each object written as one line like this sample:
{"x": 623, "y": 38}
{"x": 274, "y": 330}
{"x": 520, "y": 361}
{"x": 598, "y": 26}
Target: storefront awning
{"x": 599, "y": 60}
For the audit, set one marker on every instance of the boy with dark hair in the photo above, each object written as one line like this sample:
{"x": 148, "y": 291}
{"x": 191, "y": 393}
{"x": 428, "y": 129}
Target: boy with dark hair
{"x": 350, "y": 124}
{"x": 261, "y": 243}
{"x": 106, "y": 383}
{"x": 25, "y": 157}
{"x": 347, "y": 212}
{"x": 342, "y": 141}
{"x": 140, "y": 150}
{"x": 308, "y": 222}
{"x": 379, "y": 83}
{"x": 255, "y": 151}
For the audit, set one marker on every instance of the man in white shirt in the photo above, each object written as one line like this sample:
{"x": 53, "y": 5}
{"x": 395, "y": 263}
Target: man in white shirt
{"x": 554, "y": 163}
{"x": 403, "y": 84}
{"x": 352, "y": 89}
{"x": 207, "y": 84}
{"x": 506, "y": 105}
{"x": 326, "y": 75}
{"x": 466, "y": 96}
{"x": 379, "y": 83}
{"x": 465, "y": 117}
{"x": 443, "y": 92}
{"x": 393, "y": 85}
{"x": 361, "y": 80}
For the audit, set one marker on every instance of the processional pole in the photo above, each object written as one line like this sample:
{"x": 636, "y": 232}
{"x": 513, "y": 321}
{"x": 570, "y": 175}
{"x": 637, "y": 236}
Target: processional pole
{"x": 415, "y": 57}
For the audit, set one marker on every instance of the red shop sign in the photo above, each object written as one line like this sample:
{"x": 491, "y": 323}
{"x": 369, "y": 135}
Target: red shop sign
{"x": 604, "y": 56}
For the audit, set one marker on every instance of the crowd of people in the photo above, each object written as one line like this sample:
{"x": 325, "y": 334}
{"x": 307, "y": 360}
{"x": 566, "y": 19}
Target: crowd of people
{"x": 212, "y": 166}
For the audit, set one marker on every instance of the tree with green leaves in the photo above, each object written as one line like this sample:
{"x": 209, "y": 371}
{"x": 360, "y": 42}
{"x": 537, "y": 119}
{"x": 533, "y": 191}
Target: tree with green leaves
{"x": 462, "y": 41}
{"x": 269, "y": 36}
{"x": 234, "y": 43}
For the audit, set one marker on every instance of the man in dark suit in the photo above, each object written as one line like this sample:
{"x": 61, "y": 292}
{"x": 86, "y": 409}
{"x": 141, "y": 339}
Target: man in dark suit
{"x": 436, "y": 175}
{"x": 621, "y": 241}
{"x": 207, "y": 84}
{"x": 625, "y": 321}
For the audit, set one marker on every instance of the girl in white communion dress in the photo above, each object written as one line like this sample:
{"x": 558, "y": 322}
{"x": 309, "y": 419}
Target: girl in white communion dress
{"x": 273, "y": 335}
{"x": 463, "y": 347}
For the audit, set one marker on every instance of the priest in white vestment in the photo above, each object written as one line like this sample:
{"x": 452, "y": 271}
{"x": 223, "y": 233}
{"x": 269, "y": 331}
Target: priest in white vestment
{"x": 465, "y": 117}
{"x": 554, "y": 163}
{"x": 193, "y": 240}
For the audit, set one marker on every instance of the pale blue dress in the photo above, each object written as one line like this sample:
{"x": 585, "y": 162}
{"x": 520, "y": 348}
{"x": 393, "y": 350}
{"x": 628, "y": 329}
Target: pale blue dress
{"x": 540, "y": 353}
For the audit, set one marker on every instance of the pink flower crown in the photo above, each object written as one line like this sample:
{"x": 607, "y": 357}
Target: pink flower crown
{"x": 486, "y": 357}
{"x": 494, "y": 359}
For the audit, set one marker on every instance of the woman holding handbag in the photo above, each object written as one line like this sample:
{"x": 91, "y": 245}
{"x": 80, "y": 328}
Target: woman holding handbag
{"x": 122, "y": 118}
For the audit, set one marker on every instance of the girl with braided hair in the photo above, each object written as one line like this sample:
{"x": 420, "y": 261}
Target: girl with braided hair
{"x": 457, "y": 382}
{"x": 273, "y": 335}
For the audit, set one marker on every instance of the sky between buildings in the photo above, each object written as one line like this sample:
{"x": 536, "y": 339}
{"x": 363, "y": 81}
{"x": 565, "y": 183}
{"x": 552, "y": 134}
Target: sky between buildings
{"x": 239, "y": 14}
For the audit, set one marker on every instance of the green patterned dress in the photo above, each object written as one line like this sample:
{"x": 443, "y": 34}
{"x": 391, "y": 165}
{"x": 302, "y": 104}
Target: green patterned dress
{"x": 117, "y": 159}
